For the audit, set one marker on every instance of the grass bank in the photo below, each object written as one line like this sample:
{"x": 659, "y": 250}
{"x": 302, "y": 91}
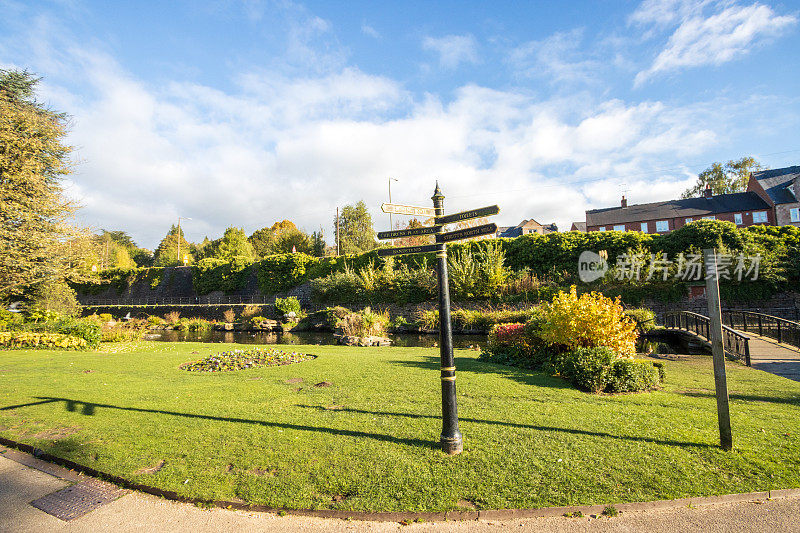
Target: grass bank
{"x": 367, "y": 438}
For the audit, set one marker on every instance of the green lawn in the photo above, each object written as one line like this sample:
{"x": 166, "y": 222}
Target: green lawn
{"x": 369, "y": 441}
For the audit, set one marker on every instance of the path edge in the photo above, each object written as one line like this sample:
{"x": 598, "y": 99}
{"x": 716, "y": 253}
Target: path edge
{"x": 73, "y": 472}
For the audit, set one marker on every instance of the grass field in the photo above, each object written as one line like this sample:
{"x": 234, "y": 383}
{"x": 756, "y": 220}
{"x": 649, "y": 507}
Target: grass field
{"x": 369, "y": 441}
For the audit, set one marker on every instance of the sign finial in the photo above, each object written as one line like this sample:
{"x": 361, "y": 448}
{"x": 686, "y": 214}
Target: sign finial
{"x": 438, "y": 192}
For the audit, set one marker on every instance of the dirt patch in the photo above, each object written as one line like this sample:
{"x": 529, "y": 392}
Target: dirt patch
{"x": 152, "y": 469}
{"x": 466, "y": 504}
{"x": 88, "y": 371}
{"x": 255, "y": 378}
{"x": 323, "y": 384}
{"x": 338, "y": 497}
{"x": 333, "y": 407}
{"x": 56, "y": 434}
{"x": 294, "y": 380}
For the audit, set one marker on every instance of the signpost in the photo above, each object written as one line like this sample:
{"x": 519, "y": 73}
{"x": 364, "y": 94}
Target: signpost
{"x": 451, "y": 440}
{"x": 718, "y": 349}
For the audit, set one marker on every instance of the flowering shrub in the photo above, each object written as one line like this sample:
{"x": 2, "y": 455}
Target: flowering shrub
{"x": 508, "y": 343}
{"x": 31, "y": 339}
{"x": 588, "y": 320}
{"x": 241, "y": 359}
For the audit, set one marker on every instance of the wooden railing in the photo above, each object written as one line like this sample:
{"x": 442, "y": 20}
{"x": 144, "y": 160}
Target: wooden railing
{"x": 780, "y": 329}
{"x": 736, "y": 344}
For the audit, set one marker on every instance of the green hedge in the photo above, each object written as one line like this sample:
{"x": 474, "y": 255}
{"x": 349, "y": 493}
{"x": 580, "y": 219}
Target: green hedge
{"x": 552, "y": 257}
{"x": 212, "y": 274}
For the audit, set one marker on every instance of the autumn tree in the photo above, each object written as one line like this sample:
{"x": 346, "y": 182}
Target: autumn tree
{"x": 356, "y": 234}
{"x": 415, "y": 240}
{"x": 724, "y": 179}
{"x": 281, "y": 238}
{"x": 36, "y": 229}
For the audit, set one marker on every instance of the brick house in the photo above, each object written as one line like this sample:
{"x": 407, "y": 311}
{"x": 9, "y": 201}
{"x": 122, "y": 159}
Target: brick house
{"x": 742, "y": 208}
{"x": 780, "y": 188}
{"x": 526, "y": 227}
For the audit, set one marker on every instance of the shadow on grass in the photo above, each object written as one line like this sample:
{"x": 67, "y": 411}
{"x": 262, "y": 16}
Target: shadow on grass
{"x": 89, "y": 408}
{"x": 744, "y": 397}
{"x": 523, "y": 426}
{"x": 469, "y": 364}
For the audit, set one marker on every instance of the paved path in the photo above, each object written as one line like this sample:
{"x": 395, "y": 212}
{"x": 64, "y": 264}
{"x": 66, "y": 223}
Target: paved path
{"x": 781, "y": 359}
{"x": 19, "y": 485}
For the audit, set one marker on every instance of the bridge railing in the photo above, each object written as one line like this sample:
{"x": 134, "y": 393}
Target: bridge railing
{"x": 774, "y": 327}
{"x": 736, "y": 344}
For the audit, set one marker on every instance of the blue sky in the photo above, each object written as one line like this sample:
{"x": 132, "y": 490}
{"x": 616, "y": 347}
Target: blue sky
{"x": 246, "y": 112}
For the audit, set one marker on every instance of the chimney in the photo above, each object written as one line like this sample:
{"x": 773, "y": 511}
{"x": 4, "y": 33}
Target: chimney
{"x": 708, "y": 191}
{"x": 624, "y": 201}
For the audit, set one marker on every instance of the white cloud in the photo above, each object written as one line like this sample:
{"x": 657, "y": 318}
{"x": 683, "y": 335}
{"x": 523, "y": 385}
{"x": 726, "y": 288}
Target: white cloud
{"x": 713, "y": 40}
{"x": 453, "y": 49}
{"x": 666, "y": 12}
{"x": 369, "y": 31}
{"x": 558, "y": 58}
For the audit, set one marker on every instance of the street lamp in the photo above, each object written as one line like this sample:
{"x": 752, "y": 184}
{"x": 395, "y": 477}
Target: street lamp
{"x": 391, "y": 226}
{"x": 178, "y": 256}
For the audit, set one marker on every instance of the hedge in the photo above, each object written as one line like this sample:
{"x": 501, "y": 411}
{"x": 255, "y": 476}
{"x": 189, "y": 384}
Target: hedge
{"x": 553, "y": 257}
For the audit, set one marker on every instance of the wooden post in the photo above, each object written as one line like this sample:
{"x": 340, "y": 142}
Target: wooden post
{"x": 718, "y": 349}
{"x": 337, "y": 232}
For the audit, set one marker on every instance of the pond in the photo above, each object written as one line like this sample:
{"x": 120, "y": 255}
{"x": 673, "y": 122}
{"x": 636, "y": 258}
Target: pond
{"x": 310, "y": 337}
{"x": 659, "y": 345}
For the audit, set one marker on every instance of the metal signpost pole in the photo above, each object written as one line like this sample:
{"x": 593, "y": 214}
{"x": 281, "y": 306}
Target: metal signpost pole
{"x": 451, "y": 440}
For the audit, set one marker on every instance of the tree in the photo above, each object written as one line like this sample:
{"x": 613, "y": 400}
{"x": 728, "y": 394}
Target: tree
{"x": 167, "y": 252}
{"x": 318, "y": 243}
{"x": 356, "y": 234}
{"x": 724, "y": 179}
{"x": 234, "y": 243}
{"x": 36, "y": 233}
{"x": 280, "y": 238}
{"x": 416, "y": 240}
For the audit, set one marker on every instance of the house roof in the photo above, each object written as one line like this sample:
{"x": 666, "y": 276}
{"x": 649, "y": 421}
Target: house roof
{"x": 687, "y": 207}
{"x": 516, "y": 231}
{"x": 776, "y": 181}
{"x": 578, "y": 226}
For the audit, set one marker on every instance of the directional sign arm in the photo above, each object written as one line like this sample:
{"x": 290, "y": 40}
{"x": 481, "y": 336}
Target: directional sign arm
{"x": 400, "y": 233}
{"x": 467, "y": 233}
{"x": 467, "y": 215}
{"x": 408, "y": 250}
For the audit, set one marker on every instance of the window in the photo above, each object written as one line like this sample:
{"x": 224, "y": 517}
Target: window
{"x": 644, "y": 227}
{"x": 688, "y": 221}
{"x": 619, "y": 227}
{"x": 737, "y": 217}
{"x": 710, "y": 217}
{"x": 794, "y": 214}
{"x": 662, "y": 225}
{"x": 759, "y": 216}
{"x": 601, "y": 228}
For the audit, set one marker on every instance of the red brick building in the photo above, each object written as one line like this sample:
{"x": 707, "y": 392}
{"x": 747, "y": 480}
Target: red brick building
{"x": 743, "y": 209}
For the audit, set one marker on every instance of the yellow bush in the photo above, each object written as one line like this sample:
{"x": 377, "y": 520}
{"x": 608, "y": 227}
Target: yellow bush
{"x": 587, "y": 321}
{"x": 30, "y": 339}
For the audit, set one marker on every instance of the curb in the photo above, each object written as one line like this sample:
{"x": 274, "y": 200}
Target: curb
{"x": 65, "y": 469}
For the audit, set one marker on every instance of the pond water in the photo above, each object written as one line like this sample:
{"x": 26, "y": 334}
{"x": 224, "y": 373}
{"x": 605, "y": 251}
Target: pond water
{"x": 310, "y": 337}
{"x": 645, "y": 345}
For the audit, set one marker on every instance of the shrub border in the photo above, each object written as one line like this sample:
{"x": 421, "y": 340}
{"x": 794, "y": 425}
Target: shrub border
{"x": 33, "y": 457}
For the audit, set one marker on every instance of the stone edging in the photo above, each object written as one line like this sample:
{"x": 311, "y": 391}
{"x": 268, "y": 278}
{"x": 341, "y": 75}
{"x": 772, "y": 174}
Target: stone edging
{"x": 68, "y": 470}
